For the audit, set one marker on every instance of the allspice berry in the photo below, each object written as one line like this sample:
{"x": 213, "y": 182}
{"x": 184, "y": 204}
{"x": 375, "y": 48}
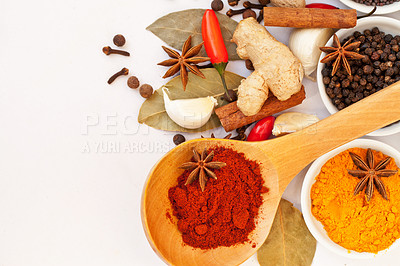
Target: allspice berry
{"x": 249, "y": 13}
{"x": 146, "y": 90}
{"x": 217, "y": 5}
{"x": 119, "y": 40}
{"x": 133, "y": 82}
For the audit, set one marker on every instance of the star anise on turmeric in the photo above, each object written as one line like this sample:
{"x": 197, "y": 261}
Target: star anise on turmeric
{"x": 201, "y": 168}
{"x": 370, "y": 174}
{"x": 184, "y": 61}
{"x": 341, "y": 54}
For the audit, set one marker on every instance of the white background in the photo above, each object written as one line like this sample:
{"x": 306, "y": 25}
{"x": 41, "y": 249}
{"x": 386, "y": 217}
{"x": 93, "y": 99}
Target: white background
{"x": 68, "y": 196}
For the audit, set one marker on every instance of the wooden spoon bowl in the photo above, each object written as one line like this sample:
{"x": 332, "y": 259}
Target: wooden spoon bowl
{"x": 163, "y": 233}
{"x": 280, "y": 160}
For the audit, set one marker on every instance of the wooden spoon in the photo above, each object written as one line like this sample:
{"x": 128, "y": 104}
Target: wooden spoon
{"x": 281, "y": 160}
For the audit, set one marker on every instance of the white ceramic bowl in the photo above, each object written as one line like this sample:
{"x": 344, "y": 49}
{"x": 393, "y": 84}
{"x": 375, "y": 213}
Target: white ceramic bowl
{"x": 315, "y": 227}
{"x": 387, "y": 25}
{"x": 380, "y": 10}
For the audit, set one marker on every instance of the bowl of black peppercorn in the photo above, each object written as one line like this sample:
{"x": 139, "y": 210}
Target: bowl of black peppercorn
{"x": 382, "y": 6}
{"x": 379, "y": 39}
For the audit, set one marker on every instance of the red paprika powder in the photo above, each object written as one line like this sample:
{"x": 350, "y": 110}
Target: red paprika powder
{"x": 222, "y": 215}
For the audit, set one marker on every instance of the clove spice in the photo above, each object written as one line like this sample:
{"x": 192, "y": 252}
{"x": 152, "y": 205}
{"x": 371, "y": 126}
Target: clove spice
{"x": 122, "y": 72}
{"x": 232, "y": 12}
{"x": 260, "y": 16}
{"x": 108, "y": 50}
{"x": 248, "y": 4}
{"x": 233, "y": 2}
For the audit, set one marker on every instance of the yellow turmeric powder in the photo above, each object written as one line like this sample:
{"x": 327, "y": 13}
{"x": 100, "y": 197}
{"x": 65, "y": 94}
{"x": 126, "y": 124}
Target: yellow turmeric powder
{"x": 351, "y": 221}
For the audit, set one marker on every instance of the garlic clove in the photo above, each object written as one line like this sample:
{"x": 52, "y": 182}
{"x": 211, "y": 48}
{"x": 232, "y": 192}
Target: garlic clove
{"x": 291, "y": 122}
{"x": 305, "y": 44}
{"x": 189, "y": 113}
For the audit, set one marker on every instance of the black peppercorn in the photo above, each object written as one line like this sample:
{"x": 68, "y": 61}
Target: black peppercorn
{"x": 326, "y": 80}
{"x": 383, "y": 67}
{"x": 325, "y": 72}
{"x": 119, "y": 40}
{"x": 368, "y": 51}
{"x": 392, "y": 57}
{"x": 178, "y": 139}
{"x": 345, "y": 83}
{"x": 375, "y": 56}
{"x": 388, "y": 38}
{"x": 368, "y": 69}
{"x": 379, "y": 68}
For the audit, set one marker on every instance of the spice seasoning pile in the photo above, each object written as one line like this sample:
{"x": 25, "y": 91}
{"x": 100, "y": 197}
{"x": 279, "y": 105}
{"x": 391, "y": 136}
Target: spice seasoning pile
{"x": 224, "y": 214}
{"x": 376, "y": 2}
{"x": 351, "y": 220}
{"x": 379, "y": 68}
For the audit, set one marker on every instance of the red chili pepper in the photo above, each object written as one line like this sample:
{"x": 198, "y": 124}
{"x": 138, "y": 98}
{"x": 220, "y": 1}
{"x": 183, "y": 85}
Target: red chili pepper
{"x": 321, "y": 5}
{"x": 214, "y": 44}
{"x": 262, "y": 130}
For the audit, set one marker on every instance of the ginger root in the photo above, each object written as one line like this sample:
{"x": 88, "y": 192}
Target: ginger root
{"x": 276, "y": 68}
{"x": 289, "y": 3}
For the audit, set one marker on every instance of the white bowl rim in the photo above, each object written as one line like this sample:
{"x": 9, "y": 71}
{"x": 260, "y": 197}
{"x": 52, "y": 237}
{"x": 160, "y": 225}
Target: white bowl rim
{"x": 372, "y": 22}
{"x": 380, "y": 10}
{"x": 316, "y": 227}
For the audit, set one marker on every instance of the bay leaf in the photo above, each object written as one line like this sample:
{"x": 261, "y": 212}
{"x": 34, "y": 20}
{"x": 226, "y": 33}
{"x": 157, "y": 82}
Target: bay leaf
{"x": 289, "y": 241}
{"x": 152, "y": 111}
{"x": 174, "y": 29}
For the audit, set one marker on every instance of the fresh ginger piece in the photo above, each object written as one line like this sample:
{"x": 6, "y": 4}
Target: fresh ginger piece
{"x": 276, "y": 68}
{"x": 289, "y": 3}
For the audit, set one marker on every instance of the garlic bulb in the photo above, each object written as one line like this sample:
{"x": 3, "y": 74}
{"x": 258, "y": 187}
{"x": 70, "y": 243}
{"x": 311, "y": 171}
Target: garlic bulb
{"x": 291, "y": 122}
{"x": 189, "y": 113}
{"x": 305, "y": 44}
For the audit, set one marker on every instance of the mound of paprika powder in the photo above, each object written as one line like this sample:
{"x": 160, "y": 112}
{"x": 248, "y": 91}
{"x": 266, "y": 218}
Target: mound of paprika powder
{"x": 222, "y": 215}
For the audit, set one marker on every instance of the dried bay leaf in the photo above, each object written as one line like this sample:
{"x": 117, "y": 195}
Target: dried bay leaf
{"x": 289, "y": 241}
{"x": 153, "y": 114}
{"x": 175, "y": 28}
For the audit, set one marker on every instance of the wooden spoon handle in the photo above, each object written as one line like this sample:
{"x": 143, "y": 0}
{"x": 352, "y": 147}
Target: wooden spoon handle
{"x": 291, "y": 153}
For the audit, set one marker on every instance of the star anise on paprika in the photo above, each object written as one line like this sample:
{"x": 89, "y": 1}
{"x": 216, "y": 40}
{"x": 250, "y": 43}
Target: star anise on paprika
{"x": 370, "y": 174}
{"x": 341, "y": 54}
{"x": 201, "y": 168}
{"x": 184, "y": 61}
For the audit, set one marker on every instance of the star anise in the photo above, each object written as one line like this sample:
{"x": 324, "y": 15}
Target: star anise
{"x": 201, "y": 167}
{"x": 341, "y": 54}
{"x": 181, "y": 63}
{"x": 370, "y": 174}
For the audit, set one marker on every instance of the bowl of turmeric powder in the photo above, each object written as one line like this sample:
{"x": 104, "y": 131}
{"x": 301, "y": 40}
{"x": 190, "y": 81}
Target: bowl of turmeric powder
{"x": 351, "y": 199}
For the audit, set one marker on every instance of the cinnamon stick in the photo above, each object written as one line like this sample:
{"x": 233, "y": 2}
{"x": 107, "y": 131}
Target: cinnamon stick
{"x": 310, "y": 17}
{"x": 232, "y": 118}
